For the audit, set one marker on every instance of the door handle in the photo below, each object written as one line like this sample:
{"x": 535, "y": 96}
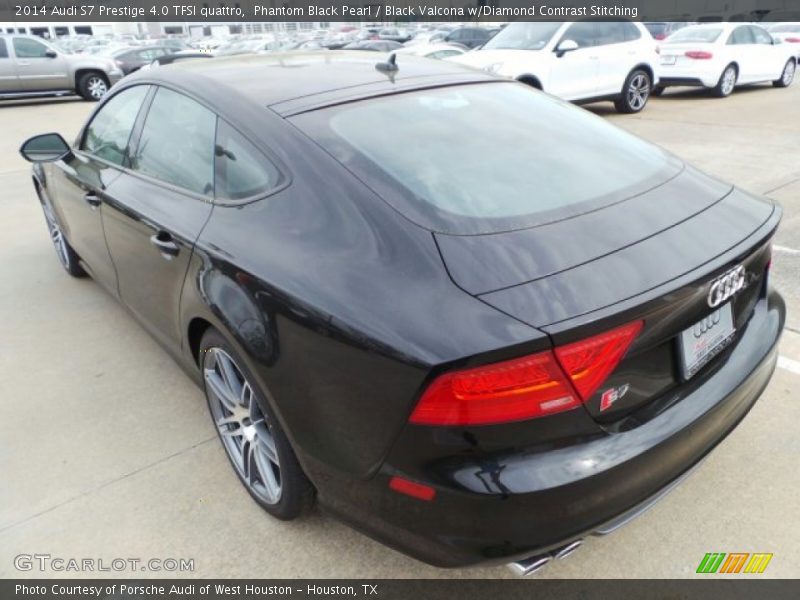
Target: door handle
{"x": 92, "y": 199}
{"x": 165, "y": 244}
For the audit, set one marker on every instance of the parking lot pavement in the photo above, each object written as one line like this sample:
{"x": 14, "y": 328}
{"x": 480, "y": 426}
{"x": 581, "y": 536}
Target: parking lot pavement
{"x": 106, "y": 450}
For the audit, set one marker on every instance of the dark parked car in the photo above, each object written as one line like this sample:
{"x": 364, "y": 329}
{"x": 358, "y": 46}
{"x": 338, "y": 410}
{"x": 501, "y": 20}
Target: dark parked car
{"x": 471, "y": 37}
{"x": 473, "y": 345}
{"x": 133, "y": 59}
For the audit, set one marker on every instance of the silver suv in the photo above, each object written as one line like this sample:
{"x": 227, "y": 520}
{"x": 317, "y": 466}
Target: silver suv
{"x": 30, "y": 66}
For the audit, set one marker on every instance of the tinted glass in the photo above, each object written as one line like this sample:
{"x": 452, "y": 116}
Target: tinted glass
{"x": 177, "y": 143}
{"x": 631, "y": 32}
{"x": 3, "y": 49}
{"x": 610, "y": 32}
{"x": 741, "y": 35}
{"x": 523, "y": 36}
{"x": 702, "y": 35}
{"x": 584, "y": 33}
{"x": 26, "y": 48}
{"x": 242, "y": 170}
{"x": 458, "y": 163}
{"x": 761, "y": 36}
{"x": 108, "y": 134}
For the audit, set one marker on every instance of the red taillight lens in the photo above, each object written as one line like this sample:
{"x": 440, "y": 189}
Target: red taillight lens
{"x": 588, "y": 363}
{"x": 699, "y": 54}
{"x": 793, "y": 40}
{"x": 527, "y": 387}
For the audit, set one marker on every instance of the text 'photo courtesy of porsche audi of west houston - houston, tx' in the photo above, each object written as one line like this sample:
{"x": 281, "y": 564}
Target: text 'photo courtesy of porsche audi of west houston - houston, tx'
{"x": 513, "y": 327}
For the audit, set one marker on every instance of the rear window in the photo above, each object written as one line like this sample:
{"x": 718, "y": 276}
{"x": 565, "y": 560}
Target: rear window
{"x": 486, "y": 157}
{"x": 707, "y": 35}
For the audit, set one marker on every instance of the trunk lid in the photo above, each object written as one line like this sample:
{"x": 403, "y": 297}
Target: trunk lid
{"x": 651, "y": 258}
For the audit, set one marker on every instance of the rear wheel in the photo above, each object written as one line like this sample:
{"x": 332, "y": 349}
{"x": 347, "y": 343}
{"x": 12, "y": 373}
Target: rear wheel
{"x": 635, "y": 92}
{"x": 68, "y": 258}
{"x": 787, "y": 76}
{"x": 727, "y": 82}
{"x": 250, "y": 434}
{"x": 92, "y": 86}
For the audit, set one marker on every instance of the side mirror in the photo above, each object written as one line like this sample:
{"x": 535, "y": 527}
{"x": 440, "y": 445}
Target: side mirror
{"x": 47, "y": 147}
{"x": 566, "y": 46}
{"x": 51, "y": 53}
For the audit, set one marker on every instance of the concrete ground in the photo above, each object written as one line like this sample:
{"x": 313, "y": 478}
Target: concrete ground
{"x": 106, "y": 450}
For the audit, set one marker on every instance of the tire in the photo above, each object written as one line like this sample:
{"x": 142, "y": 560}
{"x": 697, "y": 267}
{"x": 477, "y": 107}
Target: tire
{"x": 257, "y": 448}
{"x": 727, "y": 82}
{"x": 787, "y": 75}
{"x": 93, "y": 86}
{"x": 635, "y": 92}
{"x": 68, "y": 258}
{"x": 657, "y": 91}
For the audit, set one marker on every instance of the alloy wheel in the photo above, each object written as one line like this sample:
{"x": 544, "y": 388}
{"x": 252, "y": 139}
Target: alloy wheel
{"x": 728, "y": 80}
{"x": 638, "y": 91}
{"x": 56, "y": 235}
{"x": 97, "y": 87}
{"x": 788, "y": 73}
{"x": 245, "y": 432}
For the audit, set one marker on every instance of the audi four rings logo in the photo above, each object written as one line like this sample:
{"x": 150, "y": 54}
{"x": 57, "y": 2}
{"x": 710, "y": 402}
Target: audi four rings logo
{"x": 726, "y": 286}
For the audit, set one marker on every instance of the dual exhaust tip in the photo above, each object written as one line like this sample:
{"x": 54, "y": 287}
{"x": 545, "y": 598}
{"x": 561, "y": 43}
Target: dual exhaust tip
{"x": 529, "y": 566}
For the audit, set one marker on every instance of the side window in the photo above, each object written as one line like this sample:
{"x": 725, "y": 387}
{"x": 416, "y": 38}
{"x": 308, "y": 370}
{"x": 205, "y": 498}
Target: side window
{"x": 108, "y": 134}
{"x": 631, "y": 31}
{"x": 741, "y": 35}
{"x": 581, "y": 32}
{"x": 27, "y": 48}
{"x": 242, "y": 170}
{"x": 177, "y": 143}
{"x": 3, "y": 49}
{"x": 761, "y": 36}
{"x": 610, "y": 32}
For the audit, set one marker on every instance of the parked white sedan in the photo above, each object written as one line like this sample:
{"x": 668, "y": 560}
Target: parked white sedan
{"x": 720, "y": 56}
{"x": 582, "y": 61}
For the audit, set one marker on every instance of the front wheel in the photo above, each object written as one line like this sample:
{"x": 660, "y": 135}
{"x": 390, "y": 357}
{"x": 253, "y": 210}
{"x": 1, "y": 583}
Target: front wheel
{"x": 726, "y": 83}
{"x": 635, "y": 92}
{"x": 787, "y": 76}
{"x": 250, "y": 434}
{"x": 92, "y": 86}
{"x": 68, "y": 258}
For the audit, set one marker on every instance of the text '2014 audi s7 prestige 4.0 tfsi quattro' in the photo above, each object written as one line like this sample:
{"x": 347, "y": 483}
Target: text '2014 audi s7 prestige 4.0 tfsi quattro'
{"x": 472, "y": 320}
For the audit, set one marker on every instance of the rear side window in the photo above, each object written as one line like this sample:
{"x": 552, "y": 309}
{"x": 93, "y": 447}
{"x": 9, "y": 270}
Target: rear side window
{"x": 702, "y": 35}
{"x": 26, "y": 48}
{"x": 583, "y": 33}
{"x": 760, "y": 36}
{"x": 488, "y": 157}
{"x": 3, "y": 49}
{"x": 108, "y": 134}
{"x": 242, "y": 170}
{"x": 741, "y": 35}
{"x": 177, "y": 143}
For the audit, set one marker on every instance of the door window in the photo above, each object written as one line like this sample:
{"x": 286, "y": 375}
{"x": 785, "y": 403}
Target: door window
{"x": 741, "y": 35}
{"x": 610, "y": 32}
{"x": 582, "y": 33}
{"x": 177, "y": 143}
{"x": 108, "y": 134}
{"x": 242, "y": 170}
{"x": 761, "y": 36}
{"x": 3, "y": 49}
{"x": 27, "y": 48}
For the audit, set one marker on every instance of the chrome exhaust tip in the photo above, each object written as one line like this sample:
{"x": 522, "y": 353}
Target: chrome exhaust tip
{"x": 529, "y": 566}
{"x": 564, "y": 552}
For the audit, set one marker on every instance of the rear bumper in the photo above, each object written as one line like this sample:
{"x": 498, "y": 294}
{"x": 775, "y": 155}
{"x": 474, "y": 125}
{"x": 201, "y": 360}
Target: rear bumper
{"x": 691, "y": 75}
{"x": 504, "y": 507}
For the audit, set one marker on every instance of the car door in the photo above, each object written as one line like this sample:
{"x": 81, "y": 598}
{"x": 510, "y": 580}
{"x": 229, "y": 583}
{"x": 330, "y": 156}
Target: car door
{"x": 745, "y": 53}
{"x": 9, "y": 82}
{"x": 618, "y": 52}
{"x": 574, "y": 74}
{"x": 78, "y": 186}
{"x": 159, "y": 205}
{"x": 39, "y": 67}
{"x": 770, "y": 56}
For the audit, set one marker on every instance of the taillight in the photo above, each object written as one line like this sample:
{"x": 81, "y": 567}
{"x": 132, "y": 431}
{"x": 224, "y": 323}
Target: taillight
{"x": 793, "y": 40}
{"x": 524, "y": 388}
{"x": 699, "y": 54}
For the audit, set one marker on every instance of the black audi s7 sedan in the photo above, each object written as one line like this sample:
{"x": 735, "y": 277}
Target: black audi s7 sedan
{"x": 474, "y": 321}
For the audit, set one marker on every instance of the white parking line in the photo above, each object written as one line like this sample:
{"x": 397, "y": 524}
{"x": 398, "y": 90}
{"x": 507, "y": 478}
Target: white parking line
{"x": 785, "y": 250}
{"x": 790, "y": 365}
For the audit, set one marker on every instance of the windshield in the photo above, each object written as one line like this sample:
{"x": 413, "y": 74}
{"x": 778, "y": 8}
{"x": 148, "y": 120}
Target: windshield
{"x": 706, "y": 35}
{"x": 523, "y": 36}
{"x": 486, "y": 157}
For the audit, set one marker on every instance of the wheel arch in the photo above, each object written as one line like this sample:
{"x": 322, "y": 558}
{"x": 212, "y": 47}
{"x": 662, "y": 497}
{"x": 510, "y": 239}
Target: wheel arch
{"x": 194, "y": 335}
{"x": 79, "y": 73}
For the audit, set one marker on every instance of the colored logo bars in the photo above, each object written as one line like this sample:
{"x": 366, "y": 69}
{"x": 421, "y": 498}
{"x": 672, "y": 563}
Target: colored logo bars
{"x": 734, "y": 562}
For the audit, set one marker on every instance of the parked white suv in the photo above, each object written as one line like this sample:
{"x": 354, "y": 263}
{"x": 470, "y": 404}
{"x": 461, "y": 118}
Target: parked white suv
{"x": 30, "y": 66}
{"x": 580, "y": 61}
